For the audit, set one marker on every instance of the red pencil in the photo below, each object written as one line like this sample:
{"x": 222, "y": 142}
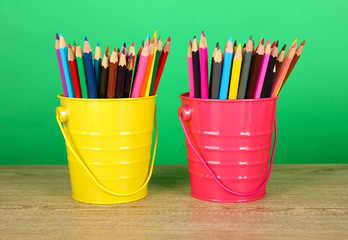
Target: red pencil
{"x": 74, "y": 73}
{"x": 162, "y": 62}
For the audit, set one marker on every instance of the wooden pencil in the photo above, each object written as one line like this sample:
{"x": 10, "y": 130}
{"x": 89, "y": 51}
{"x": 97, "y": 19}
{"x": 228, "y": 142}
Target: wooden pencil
{"x": 215, "y": 79}
{"x": 267, "y": 85}
{"x": 226, "y": 70}
{"x": 149, "y": 81}
{"x": 147, "y": 70}
{"x": 129, "y": 73}
{"x": 112, "y": 74}
{"x": 246, "y": 63}
{"x": 212, "y": 69}
{"x": 234, "y": 48}
{"x": 243, "y": 49}
{"x": 234, "y": 82}
{"x": 196, "y": 68}
{"x": 118, "y": 53}
{"x": 131, "y": 51}
{"x": 63, "y": 48}
{"x": 121, "y": 74}
{"x": 255, "y": 69}
{"x": 280, "y": 58}
{"x": 203, "y": 54}
{"x": 97, "y": 64}
{"x": 263, "y": 69}
{"x": 283, "y": 69}
{"x": 74, "y": 72}
{"x": 137, "y": 60}
{"x": 61, "y": 69}
{"x": 161, "y": 64}
{"x": 158, "y": 55}
{"x": 74, "y": 47}
{"x": 104, "y": 75}
{"x": 82, "y": 72}
{"x": 293, "y": 62}
{"x": 140, "y": 71}
{"x": 91, "y": 82}
{"x": 190, "y": 71}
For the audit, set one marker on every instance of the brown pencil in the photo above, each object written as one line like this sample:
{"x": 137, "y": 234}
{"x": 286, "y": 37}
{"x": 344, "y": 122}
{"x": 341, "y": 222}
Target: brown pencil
{"x": 112, "y": 74}
{"x": 255, "y": 68}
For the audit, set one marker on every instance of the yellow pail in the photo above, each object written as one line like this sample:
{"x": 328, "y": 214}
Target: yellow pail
{"x": 109, "y": 147}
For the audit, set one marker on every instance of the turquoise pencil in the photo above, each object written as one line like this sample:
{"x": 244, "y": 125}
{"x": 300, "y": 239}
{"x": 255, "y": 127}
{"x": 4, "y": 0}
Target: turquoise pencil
{"x": 226, "y": 70}
{"x": 63, "y": 48}
{"x": 97, "y": 64}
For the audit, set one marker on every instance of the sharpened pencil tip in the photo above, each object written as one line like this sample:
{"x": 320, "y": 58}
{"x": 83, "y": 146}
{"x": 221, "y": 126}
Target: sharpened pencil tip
{"x": 235, "y": 43}
{"x": 155, "y": 34}
{"x": 57, "y": 37}
{"x": 283, "y": 49}
{"x": 60, "y": 35}
{"x": 123, "y": 51}
{"x": 86, "y": 39}
{"x": 148, "y": 36}
{"x": 97, "y": 44}
{"x": 142, "y": 42}
{"x": 114, "y": 49}
{"x": 218, "y": 47}
{"x": 269, "y": 41}
{"x": 74, "y": 43}
{"x": 239, "y": 46}
{"x": 251, "y": 37}
{"x": 169, "y": 39}
{"x": 132, "y": 44}
{"x": 244, "y": 45}
{"x": 230, "y": 39}
{"x": 194, "y": 37}
{"x": 190, "y": 42}
{"x": 262, "y": 41}
{"x": 118, "y": 49}
{"x": 277, "y": 43}
{"x": 124, "y": 44}
{"x": 217, "y": 44}
{"x": 295, "y": 41}
{"x": 69, "y": 45}
{"x": 203, "y": 33}
{"x": 303, "y": 43}
{"x": 107, "y": 48}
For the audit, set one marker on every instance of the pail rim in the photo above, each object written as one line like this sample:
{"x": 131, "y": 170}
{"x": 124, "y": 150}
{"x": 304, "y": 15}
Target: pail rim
{"x": 186, "y": 96}
{"x": 61, "y": 96}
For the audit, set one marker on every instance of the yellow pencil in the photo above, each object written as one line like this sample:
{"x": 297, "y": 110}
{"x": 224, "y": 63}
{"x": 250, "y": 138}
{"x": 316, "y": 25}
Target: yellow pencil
{"x": 148, "y": 86}
{"x": 234, "y": 82}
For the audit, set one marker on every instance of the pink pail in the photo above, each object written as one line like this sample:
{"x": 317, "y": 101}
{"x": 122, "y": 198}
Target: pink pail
{"x": 228, "y": 146}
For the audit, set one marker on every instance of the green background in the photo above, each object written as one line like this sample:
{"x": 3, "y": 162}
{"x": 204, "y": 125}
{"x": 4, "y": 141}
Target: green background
{"x": 312, "y": 109}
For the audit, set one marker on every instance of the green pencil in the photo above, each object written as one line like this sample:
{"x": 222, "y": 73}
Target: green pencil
{"x": 81, "y": 70}
{"x": 158, "y": 54}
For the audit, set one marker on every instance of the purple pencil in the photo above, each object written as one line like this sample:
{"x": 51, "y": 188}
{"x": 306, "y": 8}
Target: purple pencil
{"x": 61, "y": 70}
{"x": 203, "y": 54}
{"x": 263, "y": 69}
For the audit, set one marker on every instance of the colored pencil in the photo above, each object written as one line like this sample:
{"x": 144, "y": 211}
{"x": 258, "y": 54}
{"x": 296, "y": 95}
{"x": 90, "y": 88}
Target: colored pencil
{"x": 283, "y": 69}
{"x": 121, "y": 74}
{"x": 82, "y": 72}
{"x": 255, "y": 69}
{"x": 104, "y": 75}
{"x": 161, "y": 64}
{"x": 243, "y": 49}
{"x": 246, "y": 63}
{"x": 74, "y": 47}
{"x": 190, "y": 71}
{"x": 226, "y": 70}
{"x": 118, "y": 52}
{"x": 215, "y": 74}
{"x": 129, "y": 72}
{"x": 112, "y": 74}
{"x": 147, "y": 71}
{"x": 91, "y": 83}
{"x": 212, "y": 69}
{"x": 131, "y": 51}
{"x": 97, "y": 65}
{"x": 237, "y": 64}
{"x": 137, "y": 61}
{"x": 263, "y": 69}
{"x": 64, "y": 56}
{"x": 61, "y": 69}
{"x": 280, "y": 58}
{"x": 293, "y": 62}
{"x": 234, "y": 48}
{"x": 140, "y": 71}
{"x": 74, "y": 72}
{"x": 158, "y": 55}
{"x": 149, "y": 81}
{"x": 203, "y": 54}
{"x": 269, "y": 90}
{"x": 196, "y": 68}
{"x": 267, "y": 85}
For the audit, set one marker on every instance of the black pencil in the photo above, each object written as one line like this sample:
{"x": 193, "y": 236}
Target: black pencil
{"x": 129, "y": 72}
{"x": 196, "y": 68}
{"x": 269, "y": 73}
{"x": 121, "y": 74}
{"x": 247, "y": 57}
{"x": 215, "y": 74}
{"x": 104, "y": 75}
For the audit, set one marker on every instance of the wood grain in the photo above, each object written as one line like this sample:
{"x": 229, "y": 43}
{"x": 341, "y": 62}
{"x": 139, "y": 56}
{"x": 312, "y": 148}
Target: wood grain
{"x": 302, "y": 202}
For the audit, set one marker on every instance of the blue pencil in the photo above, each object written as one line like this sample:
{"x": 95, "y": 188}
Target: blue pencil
{"x": 63, "y": 48}
{"x": 226, "y": 70}
{"x": 97, "y": 65}
{"x": 92, "y": 87}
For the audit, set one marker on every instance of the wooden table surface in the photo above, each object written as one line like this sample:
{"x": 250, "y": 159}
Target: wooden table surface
{"x": 302, "y": 202}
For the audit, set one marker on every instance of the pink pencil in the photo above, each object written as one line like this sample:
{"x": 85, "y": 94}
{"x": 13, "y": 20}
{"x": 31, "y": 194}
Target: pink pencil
{"x": 190, "y": 71}
{"x": 60, "y": 64}
{"x": 203, "y": 54}
{"x": 140, "y": 71}
{"x": 263, "y": 69}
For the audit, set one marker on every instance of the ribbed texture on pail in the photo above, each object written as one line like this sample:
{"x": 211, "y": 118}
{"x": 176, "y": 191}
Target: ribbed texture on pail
{"x": 235, "y": 139}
